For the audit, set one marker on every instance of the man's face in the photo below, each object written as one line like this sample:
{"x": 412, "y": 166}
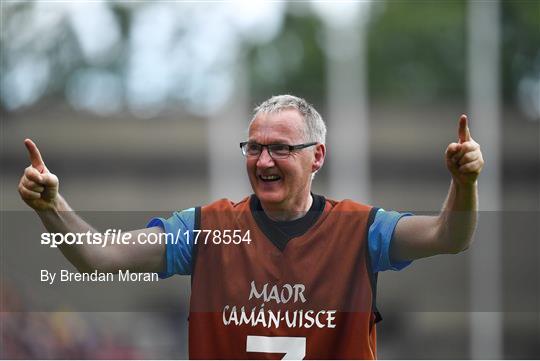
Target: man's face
{"x": 293, "y": 182}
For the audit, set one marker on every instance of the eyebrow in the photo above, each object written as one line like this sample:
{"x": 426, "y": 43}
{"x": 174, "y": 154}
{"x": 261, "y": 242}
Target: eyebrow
{"x": 279, "y": 141}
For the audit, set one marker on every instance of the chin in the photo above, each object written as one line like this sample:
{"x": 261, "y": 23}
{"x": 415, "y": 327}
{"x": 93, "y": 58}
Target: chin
{"x": 269, "y": 197}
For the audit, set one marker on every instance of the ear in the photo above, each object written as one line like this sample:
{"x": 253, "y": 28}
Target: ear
{"x": 318, "y": 160}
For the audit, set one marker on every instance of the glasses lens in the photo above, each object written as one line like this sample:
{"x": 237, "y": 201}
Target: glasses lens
{"x": 252, "y": 149}
{"x": 279, "y": 150}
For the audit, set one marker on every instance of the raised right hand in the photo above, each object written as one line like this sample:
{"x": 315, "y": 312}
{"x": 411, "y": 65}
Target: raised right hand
{"x": 38, "y": 187}
{"x": 464, "y": 159}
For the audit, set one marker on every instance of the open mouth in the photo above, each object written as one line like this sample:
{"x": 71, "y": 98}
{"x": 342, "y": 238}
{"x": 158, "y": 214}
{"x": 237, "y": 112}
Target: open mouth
{"x": 269, "y": 178}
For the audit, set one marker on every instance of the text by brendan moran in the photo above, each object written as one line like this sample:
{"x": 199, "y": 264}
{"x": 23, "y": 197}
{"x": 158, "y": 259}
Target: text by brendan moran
{"x": 65, "y": 275}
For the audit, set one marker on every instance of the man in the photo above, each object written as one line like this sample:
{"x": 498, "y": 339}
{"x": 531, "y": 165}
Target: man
{"x": 284, "y": 271}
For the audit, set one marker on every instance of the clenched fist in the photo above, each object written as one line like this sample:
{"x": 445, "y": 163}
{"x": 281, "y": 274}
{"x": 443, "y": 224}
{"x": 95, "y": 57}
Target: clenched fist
{"x": 464, "y": 159}
{"x": 38, "y": 187}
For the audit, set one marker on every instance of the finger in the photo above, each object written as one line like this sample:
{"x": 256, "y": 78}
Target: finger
{"x": 467, "y": 147}
{"x": 464, "y": 133}
{"x": 49, "y": 180}
{"x": 33, "y": 174}
{"x": 33, "y": 186}
{"x": 35, "y": 155}
{"x": 452, "y": 149}
{"x": 28, "y": 194}
{"x": 471, "y": 167}
{"x": 468, "y": 157}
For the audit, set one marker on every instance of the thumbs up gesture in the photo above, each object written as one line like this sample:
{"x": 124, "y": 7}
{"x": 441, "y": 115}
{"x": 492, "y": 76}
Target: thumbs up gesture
{"x": 38, "y": 187}
{"x": 464, "y": 158}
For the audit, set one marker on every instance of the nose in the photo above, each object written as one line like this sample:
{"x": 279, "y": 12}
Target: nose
{"x": 265, "y": 160}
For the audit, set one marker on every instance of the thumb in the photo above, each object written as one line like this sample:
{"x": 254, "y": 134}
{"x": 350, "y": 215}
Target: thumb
{"x": 35, "y": 156}
{"x": 464, "y": 133}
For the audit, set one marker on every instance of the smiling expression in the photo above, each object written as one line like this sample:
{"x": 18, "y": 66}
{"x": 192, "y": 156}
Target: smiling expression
{"x": 282, "y": 184}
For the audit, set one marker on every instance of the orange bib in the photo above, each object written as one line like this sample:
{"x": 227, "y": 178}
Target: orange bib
{"x": 313, "y": 300}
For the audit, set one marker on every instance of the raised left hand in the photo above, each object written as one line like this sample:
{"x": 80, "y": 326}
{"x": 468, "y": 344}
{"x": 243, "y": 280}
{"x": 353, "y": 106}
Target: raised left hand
{"x": 464, "y": 159}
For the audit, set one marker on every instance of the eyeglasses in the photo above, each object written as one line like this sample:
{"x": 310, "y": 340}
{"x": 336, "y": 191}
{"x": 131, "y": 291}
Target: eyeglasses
{"x": 276, "y": 151}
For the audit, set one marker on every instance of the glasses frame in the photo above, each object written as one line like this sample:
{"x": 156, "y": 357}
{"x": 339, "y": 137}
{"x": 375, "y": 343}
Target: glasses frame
{"x": 292, "y": 148}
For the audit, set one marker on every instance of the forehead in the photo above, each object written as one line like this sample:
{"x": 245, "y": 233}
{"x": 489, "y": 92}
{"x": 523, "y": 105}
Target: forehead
{"x": 285, "y": 126}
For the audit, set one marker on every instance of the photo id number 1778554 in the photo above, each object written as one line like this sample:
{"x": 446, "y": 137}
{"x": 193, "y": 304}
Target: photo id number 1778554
{"x": 216, "y": 236}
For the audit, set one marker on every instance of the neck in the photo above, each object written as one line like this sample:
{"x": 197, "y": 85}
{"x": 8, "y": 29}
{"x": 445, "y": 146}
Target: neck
{"x": 288, "y": 213}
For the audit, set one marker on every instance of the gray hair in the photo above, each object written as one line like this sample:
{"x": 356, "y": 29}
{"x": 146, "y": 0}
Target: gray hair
{"x": 314, "y": 130}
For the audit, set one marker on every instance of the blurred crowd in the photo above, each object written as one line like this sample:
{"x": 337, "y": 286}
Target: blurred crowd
{"x": 55, "y": 335}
